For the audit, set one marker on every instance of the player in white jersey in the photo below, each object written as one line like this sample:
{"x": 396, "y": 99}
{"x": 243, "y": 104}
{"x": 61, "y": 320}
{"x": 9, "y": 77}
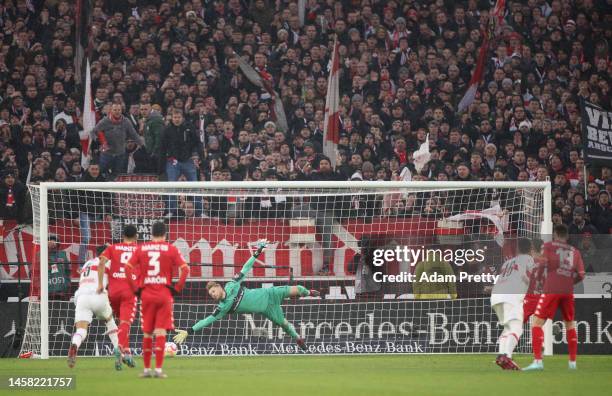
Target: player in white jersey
{"x": 89, "y": 303}
{"x": 507, "y": 301}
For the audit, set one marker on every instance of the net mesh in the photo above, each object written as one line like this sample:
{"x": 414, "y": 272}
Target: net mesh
{"x": 321, "y": 238}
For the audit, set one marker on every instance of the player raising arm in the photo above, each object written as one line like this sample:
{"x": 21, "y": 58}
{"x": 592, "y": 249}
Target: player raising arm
{"x": 89, "y": 303}
{"x": 121, "y": 297}
{"x": 564, "y": 268}
{"x": 155, "y": 262}
{"x": 507, "y": 301}
{"x": 235, "y": 298}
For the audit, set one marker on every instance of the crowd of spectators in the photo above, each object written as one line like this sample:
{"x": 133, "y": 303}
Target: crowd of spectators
{"x": 170, "y": 97}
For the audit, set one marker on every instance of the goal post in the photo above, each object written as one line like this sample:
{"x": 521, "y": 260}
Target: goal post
{"x": 319, "y": 231}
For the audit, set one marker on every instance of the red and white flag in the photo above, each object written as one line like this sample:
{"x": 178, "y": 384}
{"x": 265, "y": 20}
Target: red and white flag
{"x": 497, "y": 17}
{"x": 470, "y": 94}
{"x": 496, "y": 23}
{"x": 264, "y": 80}
{"x": 89, "y": 119}
{"x": 331, "y": 133}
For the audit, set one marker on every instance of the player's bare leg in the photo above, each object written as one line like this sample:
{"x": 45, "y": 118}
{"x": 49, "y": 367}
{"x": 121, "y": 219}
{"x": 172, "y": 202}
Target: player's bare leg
{"x": 537, "y": 340}
{"x": 77, "y": 338}
{"x": 147, "y": 352}
{"x": 160, "y": 350}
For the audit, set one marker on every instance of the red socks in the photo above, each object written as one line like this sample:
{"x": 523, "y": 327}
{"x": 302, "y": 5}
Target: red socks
{"x": 124, "y": 336}
{"x": 537, "y": 339}
{"x": 147, "y": 351}
{"x": 572, "y": 344}
{"x": 160, "y": 346}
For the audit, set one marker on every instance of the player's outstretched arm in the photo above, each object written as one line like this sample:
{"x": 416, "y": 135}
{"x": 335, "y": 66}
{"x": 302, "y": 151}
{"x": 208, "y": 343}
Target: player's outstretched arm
{"x": 246, "y": 268}
{"x": 181, "y": 335}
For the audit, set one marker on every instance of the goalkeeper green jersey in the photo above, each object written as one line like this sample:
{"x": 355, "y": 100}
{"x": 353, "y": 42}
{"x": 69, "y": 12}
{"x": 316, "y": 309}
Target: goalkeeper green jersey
{"x": 239, "y": 299}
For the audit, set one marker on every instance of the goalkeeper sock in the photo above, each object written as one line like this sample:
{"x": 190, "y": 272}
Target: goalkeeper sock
{"x": 78, "y": 337}
{"x": 124, "y": 336}
{"x": 111, "y": 331}
{"x": 160, "y": 346}
{"x": 147, "y": 345}
{"x": 537, "y": 339}
{"x": 289, "y": 329}
{"x": 572, "y": 344}
{"x": 303, "y": 291}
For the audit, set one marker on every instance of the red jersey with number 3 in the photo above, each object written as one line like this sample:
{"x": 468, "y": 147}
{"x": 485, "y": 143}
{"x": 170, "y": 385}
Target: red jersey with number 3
{"x": 155, "y": 262}
{"x": 564, "y": 267}
{"x": 119, "y": 254}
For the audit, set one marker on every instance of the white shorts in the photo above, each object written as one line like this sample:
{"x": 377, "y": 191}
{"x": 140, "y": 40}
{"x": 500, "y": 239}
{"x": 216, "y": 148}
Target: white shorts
{"x": 89, "y": 305}
{"x": 506, "y": 312}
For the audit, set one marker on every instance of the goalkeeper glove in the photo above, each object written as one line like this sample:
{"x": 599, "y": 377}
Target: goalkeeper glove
{"x": 260, "y": 247}
{"x": 181, "y": 335}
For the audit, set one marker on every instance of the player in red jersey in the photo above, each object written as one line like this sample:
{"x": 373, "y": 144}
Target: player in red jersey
{"x": 155, "y": 261}
{"x": 121, "y": 297}
{"x": 564, "y": 268}
{"x": 536, "y": 283}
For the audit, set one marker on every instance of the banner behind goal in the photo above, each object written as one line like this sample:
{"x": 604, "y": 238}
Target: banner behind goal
{"x": 323, "y": 235}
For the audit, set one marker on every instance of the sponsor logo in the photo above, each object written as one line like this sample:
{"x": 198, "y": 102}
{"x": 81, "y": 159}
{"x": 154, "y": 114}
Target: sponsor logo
{"x": 354, "y": 328}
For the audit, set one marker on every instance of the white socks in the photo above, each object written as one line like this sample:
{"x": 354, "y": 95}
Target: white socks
{"x": 78, "y": 336}
{"x": 502, "y": 342}
{"x": 511, "y": 342}
{"x": 111, "y": 331}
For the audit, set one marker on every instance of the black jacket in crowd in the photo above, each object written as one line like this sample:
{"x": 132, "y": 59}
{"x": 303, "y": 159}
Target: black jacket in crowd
{"x": 179, "y": 142}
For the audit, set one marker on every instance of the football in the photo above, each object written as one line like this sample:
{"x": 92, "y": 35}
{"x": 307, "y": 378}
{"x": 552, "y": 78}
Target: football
{"x": 171, "y": 349}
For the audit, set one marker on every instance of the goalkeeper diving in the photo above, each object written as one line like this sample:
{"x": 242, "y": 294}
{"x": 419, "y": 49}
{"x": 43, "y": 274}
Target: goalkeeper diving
{"x": 235, "y": 298}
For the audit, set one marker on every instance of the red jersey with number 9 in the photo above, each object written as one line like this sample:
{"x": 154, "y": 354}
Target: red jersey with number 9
{"x": 564, "y": 267}
{"x": 119, "y": 254}
{"x": 155, "y": 262}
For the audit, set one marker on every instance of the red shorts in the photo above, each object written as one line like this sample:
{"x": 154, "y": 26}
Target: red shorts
{"x": 529, "y": 306}
{"x": 548, "y": 304}
{"x": 156, "y": 312}
{"x": 123, "y": 303}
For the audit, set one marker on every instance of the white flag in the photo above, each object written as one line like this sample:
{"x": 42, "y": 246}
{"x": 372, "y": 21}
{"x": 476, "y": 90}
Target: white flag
{"x": 331, "y": 133}
{"x": 89, "y": 119}
{"x": 422, "y": 155}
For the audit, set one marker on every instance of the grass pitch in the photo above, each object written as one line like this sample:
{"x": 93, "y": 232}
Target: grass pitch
{"x": 454, "y": 375}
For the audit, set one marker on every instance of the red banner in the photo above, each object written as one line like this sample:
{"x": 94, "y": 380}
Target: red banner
{"x": 225, "y": 246}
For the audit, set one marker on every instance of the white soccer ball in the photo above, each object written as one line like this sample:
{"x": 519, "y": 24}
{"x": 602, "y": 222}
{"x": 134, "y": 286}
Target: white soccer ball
{"x": 171, "y": 349}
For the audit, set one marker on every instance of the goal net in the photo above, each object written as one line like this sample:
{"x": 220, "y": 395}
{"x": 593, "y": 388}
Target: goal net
{"x": 326, "y": 236}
